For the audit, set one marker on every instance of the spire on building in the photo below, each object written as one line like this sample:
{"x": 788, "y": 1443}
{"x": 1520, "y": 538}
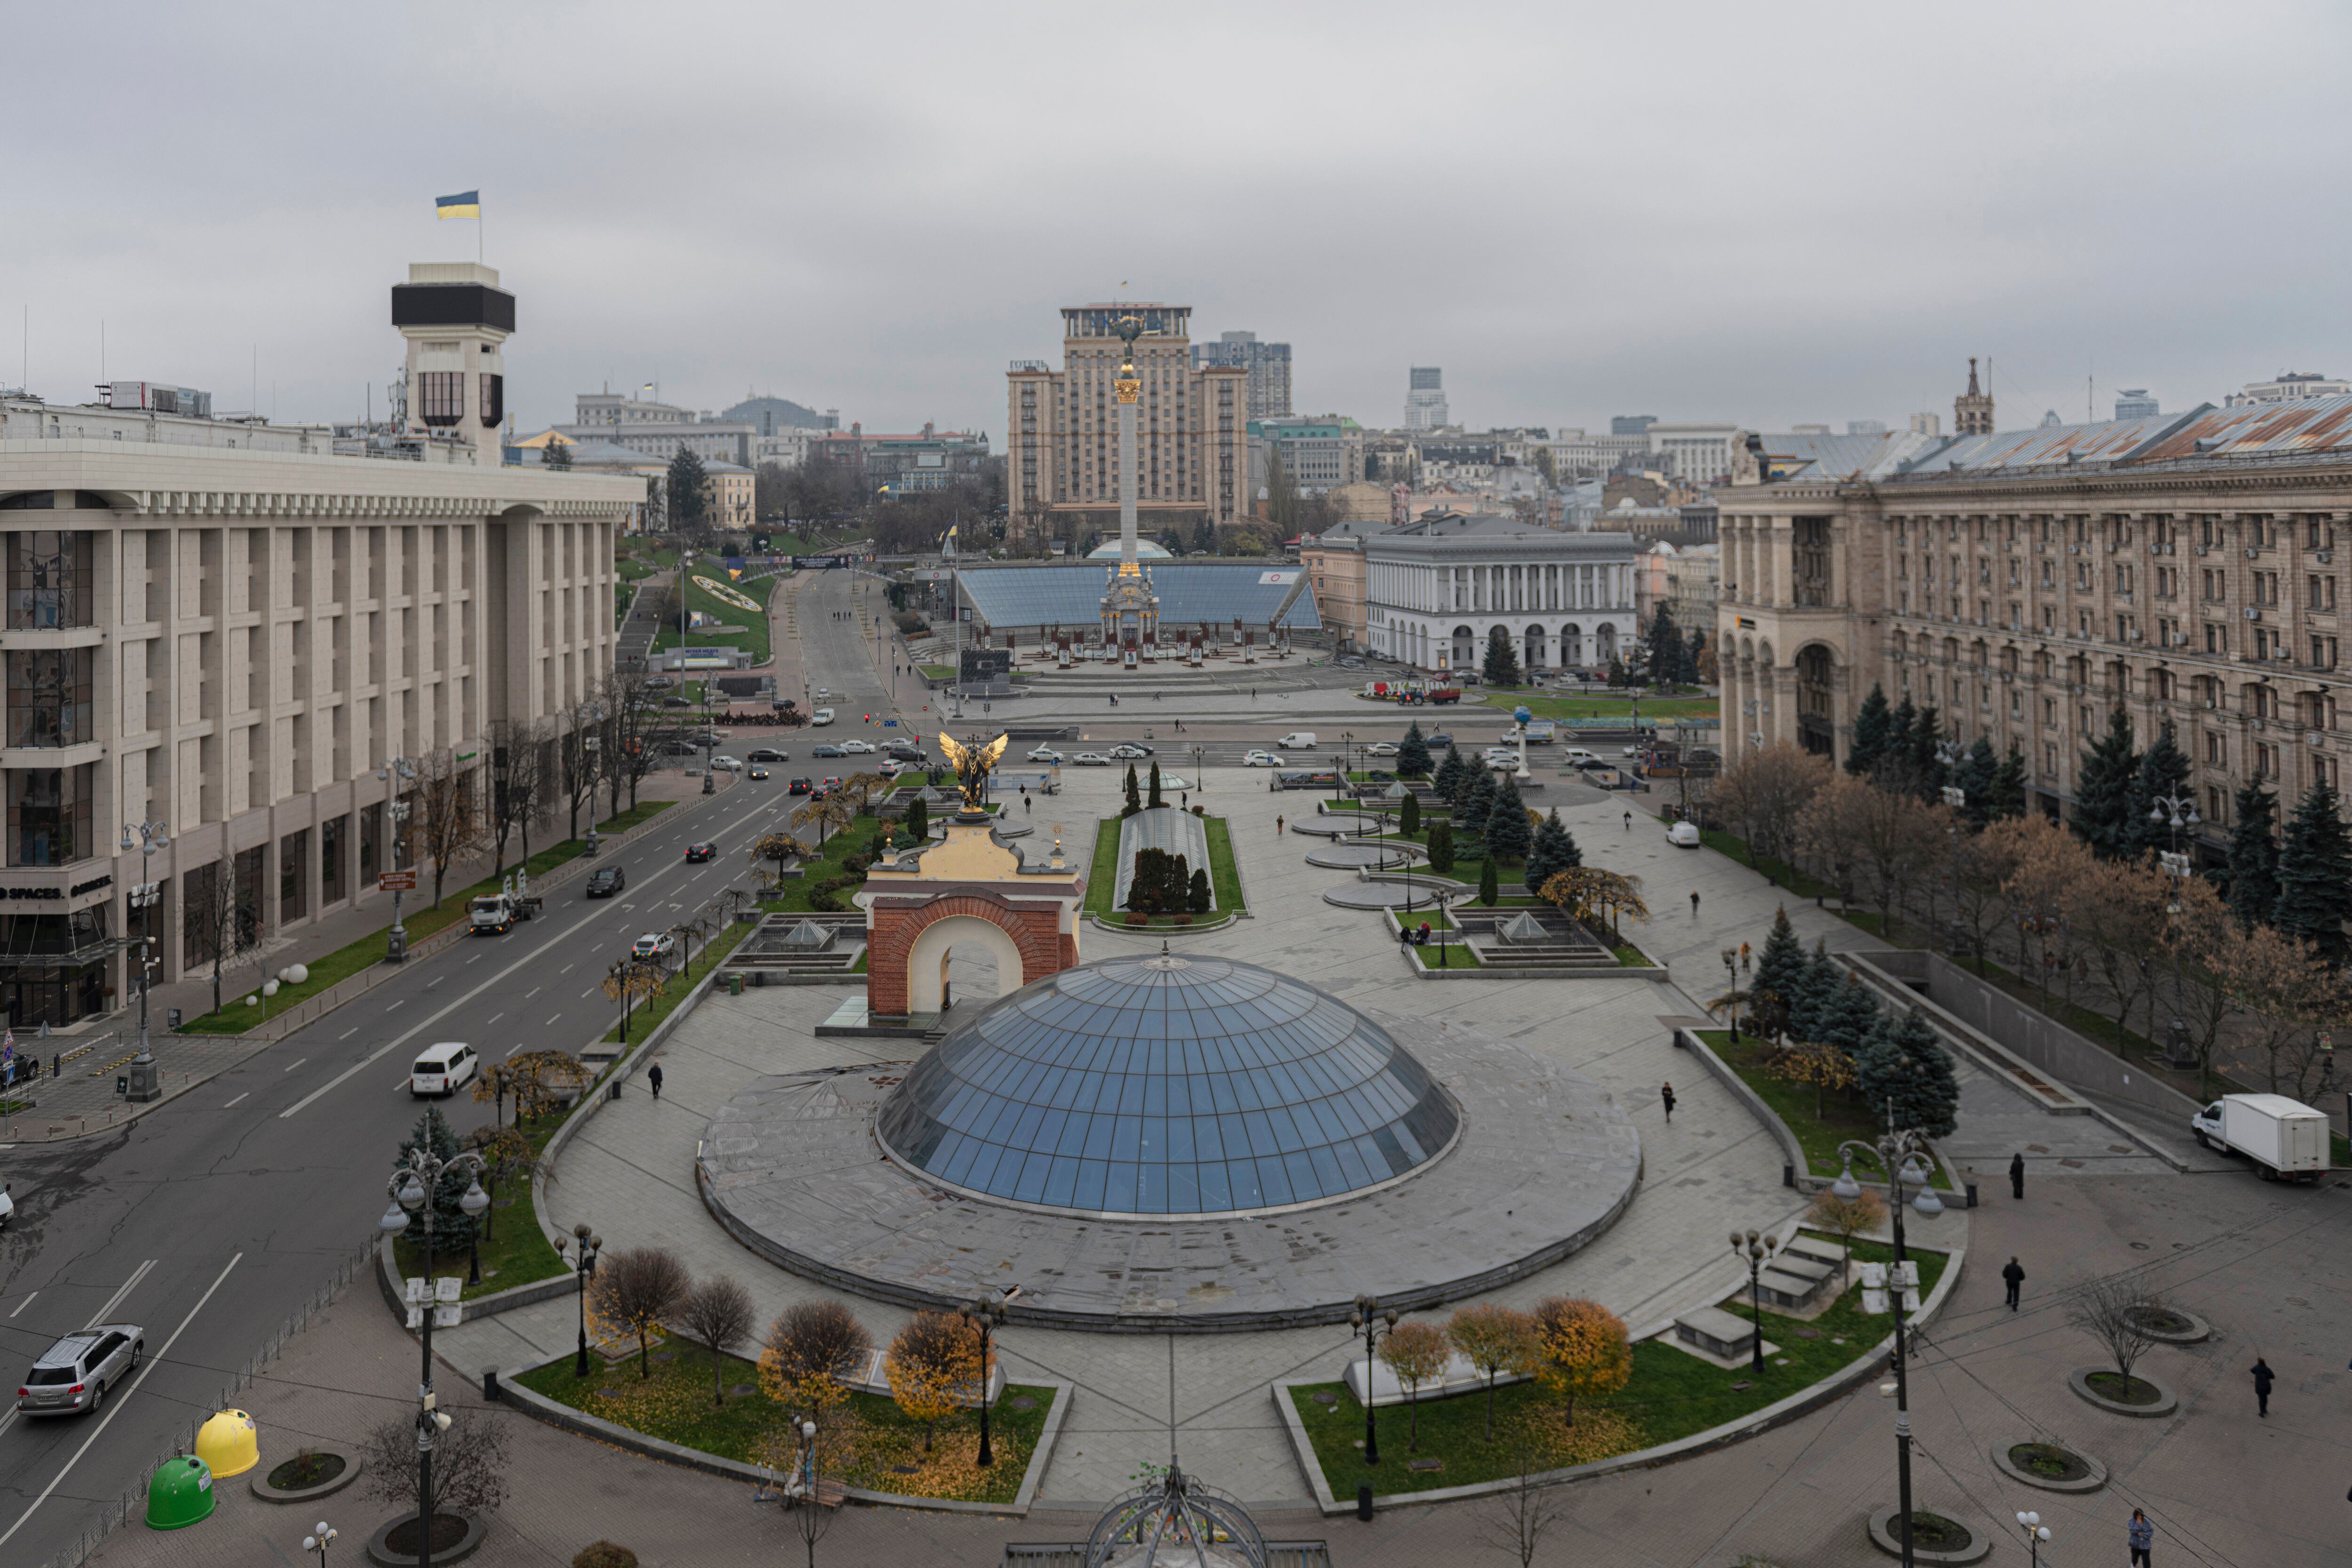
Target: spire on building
{"x": 1972, "y": 410}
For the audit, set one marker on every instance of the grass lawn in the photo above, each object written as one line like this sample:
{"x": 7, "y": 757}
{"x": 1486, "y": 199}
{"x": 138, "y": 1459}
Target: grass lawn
{"x": 795, "y": 893}
{"x": 1544, "y": 705}
{"x": 1780, "y": 871}
{"x": 234, "y": 1017}
{"x": 1670, "y": 1396}
{"x": 1844, "y": 1116}
{"x": 864, "y": 1441}
{"x": 752, "y": 638}
{"x": 938, "y": 671}
{"x": 648, "y": 1013}
{"x": 1224, "y": 876}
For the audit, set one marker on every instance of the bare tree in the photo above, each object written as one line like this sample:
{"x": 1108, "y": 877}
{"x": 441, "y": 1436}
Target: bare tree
{"x": 2119, "y": 1313}
{"x": 1764, "y": 793}
{"x": 1828, "y": 837}
{"x": 1981, "y": 863}
{"x": 634, "y": 1290}
{"x": 469, "y": 1463}
{"x": 444, "y": 816}
{"x": 1900, "y": 840}
{"x": 1847, "y": 1218}
{"x": 2119, "y": 907}
{"x": 579, "y": 762}
{"x": 628, "y": 753}
{"x": 813, "y": 1352}
{"x": 1515, "y": 1520}
{"x": 519, "y": 777}
{"x": 718, "y": 1312}
{"x": 219, "y": 929}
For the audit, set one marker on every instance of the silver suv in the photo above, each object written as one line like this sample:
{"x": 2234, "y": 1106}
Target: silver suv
{"x": 75, "y": 1374}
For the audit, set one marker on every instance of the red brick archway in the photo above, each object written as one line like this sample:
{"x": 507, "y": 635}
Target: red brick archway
{"x": 899, "y": 957}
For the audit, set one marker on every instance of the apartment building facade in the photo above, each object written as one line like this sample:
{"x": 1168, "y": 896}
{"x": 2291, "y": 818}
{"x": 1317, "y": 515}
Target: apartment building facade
{"x": 1435, "y": 588}
{"x": 2186, "y": 569}
{"x": 1061, "y": 445}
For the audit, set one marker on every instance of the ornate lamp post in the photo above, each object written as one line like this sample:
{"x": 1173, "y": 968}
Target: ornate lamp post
{"x": 583, "y": 1244}
{"x": 319, "y": 1541}
{"x": 1757, "y": 1250}
{"x": 412, "y": 1184}
{"x": 2036, "y": 1532}
{"x": 395, "y": 772}
{"x": 1731, "y": 979}
{"x": 1368, "y": 1317}
{"x": 1904, "y": 1158}
{"x": 146, "y": 1080}
{"x": 984, "y": 1315}
{"x": 2178, "y": 811}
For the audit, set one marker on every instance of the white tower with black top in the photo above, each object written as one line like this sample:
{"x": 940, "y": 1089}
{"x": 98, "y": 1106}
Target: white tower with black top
{"x": 456, "y": 321}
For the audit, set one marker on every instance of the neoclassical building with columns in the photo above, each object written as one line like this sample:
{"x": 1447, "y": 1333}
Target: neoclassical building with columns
{"x": 2186, "y": 568}
{"x": 1435, "y": 587}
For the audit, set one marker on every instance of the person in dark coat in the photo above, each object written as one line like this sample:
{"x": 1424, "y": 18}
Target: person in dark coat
{"x": 2142, "y": 1536}
{"x": 653, "y": 1077}
{"x": 2263, "y": 1377}
{"x": 2017, "y": 1175}
{"x": 1666, "y": 1099}
{"x": 2012, "y": 1277}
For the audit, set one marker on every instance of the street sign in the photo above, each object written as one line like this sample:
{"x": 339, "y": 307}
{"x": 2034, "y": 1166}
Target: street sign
{"x": 396, "y": 882}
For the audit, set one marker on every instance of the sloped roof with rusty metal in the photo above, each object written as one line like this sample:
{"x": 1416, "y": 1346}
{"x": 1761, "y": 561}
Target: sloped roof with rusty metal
{"x": 2312, "y": 425}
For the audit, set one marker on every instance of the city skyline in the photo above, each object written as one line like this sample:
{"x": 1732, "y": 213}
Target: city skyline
{"x": 756, "y": 265}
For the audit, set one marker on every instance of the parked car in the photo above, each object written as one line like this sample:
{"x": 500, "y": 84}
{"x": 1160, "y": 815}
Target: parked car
{"x": 654, "y": 944}
{"x": 904, "y": 750}
{"x": 1257, "y": 759}
{"x": 1441, "y": 738}
{"x": 1045, "y": 754}
{"x": 2285, "y": 1138}
{"x": 1090, "y": 759}
{"x": 1683, "y": 836}
{"x": 676, "y": 702}
{"x": 889, "y": 767}
{"x": 862, "y": 748}
{"x": 823, "y": 716}
{"x": 758, "y": 773}
{"x": 768, "y": 754}
{"x": 1379, "y": 749}
{"x": 76, "y": 1374}
{"x": 1129, "y": 752}
{"x": 444, "y": 1069}
{"x": 1578, "y": 757}
{"x": 828, "y": 752}
{"x": 1351, "y": 664}
{"x": 802, "y": 787}
{"x": 698, "y": 853}
{"x": 606, "y": 880}
{"x": 729, "y": 763}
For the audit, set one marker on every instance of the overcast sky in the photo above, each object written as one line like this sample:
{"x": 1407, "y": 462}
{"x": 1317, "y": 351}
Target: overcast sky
{"x": 1768, "y": 214}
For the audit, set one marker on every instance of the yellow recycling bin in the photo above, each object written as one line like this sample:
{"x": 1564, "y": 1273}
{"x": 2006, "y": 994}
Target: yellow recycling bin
{"x": 229, "y": 1444}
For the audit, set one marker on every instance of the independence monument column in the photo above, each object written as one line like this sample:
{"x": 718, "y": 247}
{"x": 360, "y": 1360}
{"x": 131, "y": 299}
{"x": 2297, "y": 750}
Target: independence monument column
{"x": 1131, "y": 610}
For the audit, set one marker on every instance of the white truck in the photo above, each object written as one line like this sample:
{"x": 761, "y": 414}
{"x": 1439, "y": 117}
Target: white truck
{"x": 2285, "y": 1138}
{"x": 1297, "y": 740}
{"x": 493, "y": 912}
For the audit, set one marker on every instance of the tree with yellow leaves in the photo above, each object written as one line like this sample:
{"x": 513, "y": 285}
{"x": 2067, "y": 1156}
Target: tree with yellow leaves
{"x": 1584, "y": 1350}
{"x": 1417, "y": 1353}
{"x": 1495, "y": 1340}
{"x": 933, "y": 1366}
{"x": 812, "y": 1353}
{"x": 1590, "y": 894}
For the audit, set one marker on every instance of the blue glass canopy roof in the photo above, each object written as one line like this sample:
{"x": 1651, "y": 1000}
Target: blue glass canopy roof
{"x": 1168, "y": 1086}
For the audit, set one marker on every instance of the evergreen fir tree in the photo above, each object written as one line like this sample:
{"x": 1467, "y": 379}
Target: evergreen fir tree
{"x": 1927, "y": 772}
{"x": 453, "y": 1228}
{"x": 2005, "y": 798}
{"x": 919, "y": 818}
{"x": 1974, "y": 773}
{"x": 1478, "y": 805}
{"x": 2315, "y": 874}
{"x": 1448, "y": 780}
{"x": 1155, "y": 799}
{"x": 1501, "y": 666}
{"x": 1197, "y": 896}
{"x": 1134, "y": 795}
{"x": 1551, "y": 851}
{"x": 1848, "y": 1017}
{"x": 2102, "y": 790}
{"x": 1412, "y": 754}
{"x": 1666, "y": 642}
{"x": 2163, "y": 773}
{"x": 2253, "y": 855}
{"x": 1441, "y": 845}
{"x": 1874, "y": 726}
{"x": 1507, "y": 833}
{"x": 1813, "y": 996}
{"x": 1777, "y": 970}
{"x": 1409, "y": 816}
{"x": 1691, "y": 650}
{"x": 1490, "y": 886}
{"x": 1902, "y": 1062}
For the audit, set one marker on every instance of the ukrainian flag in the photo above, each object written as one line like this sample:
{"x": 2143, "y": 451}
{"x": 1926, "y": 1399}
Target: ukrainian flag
{"x": 465, "y": 204}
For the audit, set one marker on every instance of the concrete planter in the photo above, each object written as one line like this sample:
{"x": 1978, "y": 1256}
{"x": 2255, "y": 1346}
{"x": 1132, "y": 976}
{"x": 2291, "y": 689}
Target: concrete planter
{"x": 2167, "y": 1401}
{"x": 385, "y": 1557}
{"x": 2094, "y": 1477}
{"x": 350, "y": 1472}
{"x": 2195, "y": 1330}
{"x": 1979, "y": 1546}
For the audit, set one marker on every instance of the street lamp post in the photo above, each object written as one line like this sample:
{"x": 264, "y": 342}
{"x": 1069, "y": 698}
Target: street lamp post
{"x": 2178, "y": 811}
{"x": 1347, "y": 751}
{"x": 319, "y": 1541}
{"x": 2036, "y": 1532}
{"x": 146, "y": 1079}
{"x": 984, "y": 1315}
{"x": 583, "y": 1245}
{"x": 1731, "y": 980}
{"x": 413, "y": 1185}
{"x": 1755, "y": 1251}
{"x": 1368, "y": 1317}
{"x": 396, "y": 770}
{"x": 1904, "y": 1158}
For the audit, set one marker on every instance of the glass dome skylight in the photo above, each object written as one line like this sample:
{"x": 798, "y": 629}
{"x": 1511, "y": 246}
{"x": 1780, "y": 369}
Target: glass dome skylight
{"x": 1168, "y": 1086}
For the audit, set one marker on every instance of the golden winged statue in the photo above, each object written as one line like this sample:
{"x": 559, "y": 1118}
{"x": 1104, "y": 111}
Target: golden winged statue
{"x": 972, "y": 763}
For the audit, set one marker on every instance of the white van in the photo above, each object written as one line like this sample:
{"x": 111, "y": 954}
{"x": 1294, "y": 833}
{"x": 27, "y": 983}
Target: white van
{"x": 1578, "y": 757}
{"x": 444, "y": 1069}
{"x": 1297, "y": 740}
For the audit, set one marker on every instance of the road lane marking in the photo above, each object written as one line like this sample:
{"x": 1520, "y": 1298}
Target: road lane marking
{"x": 297, "y": 1062}
{"x": 25, "y": 1303}
{"x": 551, "y": 1019}
{"x": 347, "y": 1033}
{"x": 492, "y": 1019}
{"x": 232, "y": 1104}
{"x": 116, "y": 1300}
{"x": 565, "y": 970}
{"x": 108, "y": 1418}
{"x": 402, "y": 1003}
{"x": 532, "y": 992}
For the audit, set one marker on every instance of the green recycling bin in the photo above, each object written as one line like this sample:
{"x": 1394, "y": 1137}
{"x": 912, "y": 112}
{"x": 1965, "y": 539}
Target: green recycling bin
{"x": 735, "y": 984}
{"x": 180, "y": 1493}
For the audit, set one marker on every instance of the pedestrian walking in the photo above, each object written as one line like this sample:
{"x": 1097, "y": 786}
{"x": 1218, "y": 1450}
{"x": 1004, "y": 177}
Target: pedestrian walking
{"x": 1277, "y": 824}
{"x": 1629, "y": 822}
{"x": 2142, "y": 1536}
{"x": 1185, "y": 800}
{"x": 653, "y": 1077}
{"x": 2017, "y": 1176}
{"x": 2263, "y": 1377}
{"x": 1694, "y": 903}
{"x": 2012, "y": 1276}
{"x": 1666, "y": 1099}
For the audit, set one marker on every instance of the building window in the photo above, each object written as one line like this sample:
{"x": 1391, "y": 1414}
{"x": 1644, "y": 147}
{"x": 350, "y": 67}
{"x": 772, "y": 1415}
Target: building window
{"x": 48, "y": 695}
{"x": 49, "y": 579}
{"x": 332, "y": 835}
{"x": 441, "y": 396}
{"x": 293, "y": 850}
{"x": 49, "y": 814}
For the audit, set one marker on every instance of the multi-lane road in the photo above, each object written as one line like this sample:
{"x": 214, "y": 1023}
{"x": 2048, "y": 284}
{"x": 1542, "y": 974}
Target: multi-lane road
{"x": 213, "y": 1217}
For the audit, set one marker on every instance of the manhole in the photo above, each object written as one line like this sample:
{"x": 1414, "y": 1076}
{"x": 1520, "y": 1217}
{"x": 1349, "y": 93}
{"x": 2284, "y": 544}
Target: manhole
{"x": 1021, "y": 1403}
{"x": 740, "y": 1389}
{"x": 1429, "y": 1464}
{"x": 2121, "y": 1149}
{"x": 608, "y": 1393}
{"x": 1325, "y": 1397}
{"x": 2035, "y": 1149}
{"x": 665, "y": 1356}
{"x": 1806, "y": 1333}
{"x": 2140, "y": 1247}
{"x": 1741, "y": 1387}
{"x": 905, "y": 1469}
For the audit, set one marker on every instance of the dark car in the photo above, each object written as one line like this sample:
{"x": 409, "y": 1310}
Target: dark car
{"x": 606, "y": 880}
{"x": 904, "y": 751}
{"x": 767, "y": 755}
{"x": 701, "y": 851}
{"x": 829, "y": 752}
{"x": 802, "y": 787}
{"x": 759, "y": 772}
{"x": 676, "y": 702}
{"x": 1438, "y": 740}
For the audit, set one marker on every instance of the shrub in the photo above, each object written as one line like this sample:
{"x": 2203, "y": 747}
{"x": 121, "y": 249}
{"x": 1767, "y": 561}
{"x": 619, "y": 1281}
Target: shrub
{"x": 1440, "y": 847}
{"x": 1137, "y": 918}
{"x": 603, "y": 1555}
{"x": 1184, "y": 920}
{"x": 813, "y": 1350}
